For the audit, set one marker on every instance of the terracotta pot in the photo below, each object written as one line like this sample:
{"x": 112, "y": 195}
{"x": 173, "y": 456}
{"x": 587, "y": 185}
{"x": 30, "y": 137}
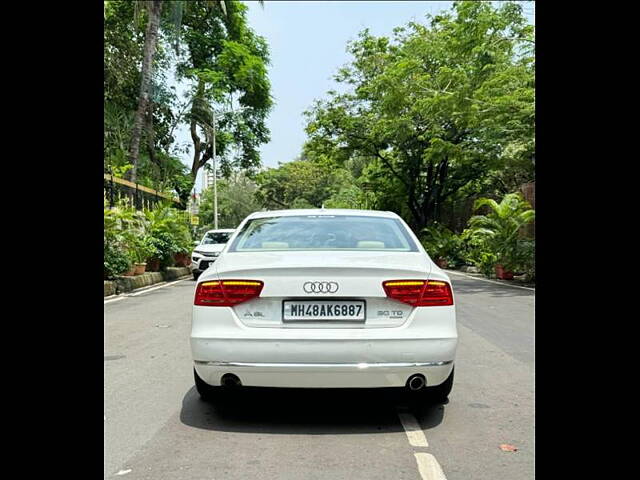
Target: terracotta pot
{"x": 140, "y": 268}
{"x": 503, "y": 274}
{"x": 153, "y": 265}
{"x": 442, "y": 262}
{"x": 131, "y": 272}
{"x": 181, "y": 259}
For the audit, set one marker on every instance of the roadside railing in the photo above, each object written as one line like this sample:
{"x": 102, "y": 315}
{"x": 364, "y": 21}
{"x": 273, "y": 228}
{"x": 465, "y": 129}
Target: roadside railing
{"x": 141, "y": 197}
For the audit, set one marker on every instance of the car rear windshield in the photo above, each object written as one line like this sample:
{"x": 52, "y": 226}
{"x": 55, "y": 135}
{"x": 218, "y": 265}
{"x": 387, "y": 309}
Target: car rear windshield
{"x": 216, "y": 238}
{"x": 323, "y": 232}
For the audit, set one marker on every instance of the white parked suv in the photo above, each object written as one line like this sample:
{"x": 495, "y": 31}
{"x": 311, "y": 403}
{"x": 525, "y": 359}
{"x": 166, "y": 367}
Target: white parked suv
{"x": 321, "y": 299}
{"x": 207, "y": 251}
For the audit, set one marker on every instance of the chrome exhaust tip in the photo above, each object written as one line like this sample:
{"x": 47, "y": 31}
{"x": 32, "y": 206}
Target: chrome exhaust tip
{"x": 416, "y": 382}
{"x": 230, "y": 380}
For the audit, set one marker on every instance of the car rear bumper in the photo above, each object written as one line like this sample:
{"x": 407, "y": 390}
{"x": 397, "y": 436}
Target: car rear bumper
{"x": 324, "y": 357}
{"x": 324, "y": 375}
{"x": 325, "y": 363}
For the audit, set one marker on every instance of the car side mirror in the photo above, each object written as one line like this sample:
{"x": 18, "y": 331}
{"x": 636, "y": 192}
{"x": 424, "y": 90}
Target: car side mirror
{"x": 196, "y": 243}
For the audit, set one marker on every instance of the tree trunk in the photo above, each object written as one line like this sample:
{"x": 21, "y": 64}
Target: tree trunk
{"x": 184, "y": 194}
{"x": 202, "y": 152}
{"x": 150, "y": 44}
{"x": 151, "y": 143}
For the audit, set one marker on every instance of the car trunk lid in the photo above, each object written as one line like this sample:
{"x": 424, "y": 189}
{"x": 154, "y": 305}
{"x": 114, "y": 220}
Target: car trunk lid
{"x": 328, "y": 277}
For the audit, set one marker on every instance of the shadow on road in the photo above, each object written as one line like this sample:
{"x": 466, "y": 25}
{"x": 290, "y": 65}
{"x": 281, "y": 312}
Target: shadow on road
{"x": 469, "y": 286}
{"x": 307, "y": 411}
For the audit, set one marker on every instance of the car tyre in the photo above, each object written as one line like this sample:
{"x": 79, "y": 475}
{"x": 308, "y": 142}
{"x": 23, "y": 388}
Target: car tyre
{"x": 195, "y": 275}
{"x": 441, "y": 392}
{"x": 206, "y": 391}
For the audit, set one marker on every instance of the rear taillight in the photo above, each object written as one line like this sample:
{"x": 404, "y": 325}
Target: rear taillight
{"x": 226, "y": 293}
{"x": 419, "y": 293}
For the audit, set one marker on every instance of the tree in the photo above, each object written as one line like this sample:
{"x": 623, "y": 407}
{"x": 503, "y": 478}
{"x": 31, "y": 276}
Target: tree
{"x": 236, "y": 200}
{"x": 124, "y": 40}
{"x": 303, "y": 183}
{"x": 154, "y": 9}
{"x": 420, "y": 106}
{"x": 226, "y": 62}
{"x": 210, "y": 43}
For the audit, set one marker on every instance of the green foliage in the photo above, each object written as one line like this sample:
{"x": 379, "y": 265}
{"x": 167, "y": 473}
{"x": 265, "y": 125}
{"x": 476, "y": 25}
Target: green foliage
{"x": 435, "y": 108}
{"x": 116, "y": 261}
{"x": 227, "y": 63}
{"x": 236, "y": 200}
{"x": 440, "y": 242}
{"x": 308, "y": 182}
{"x": 123, "y": 45}
{"x": 349, "y": 196}
{"x": 165, "y": 222}
{"x": 141, "y": 248}
{"x": 117, "y": 130}
{"x": 117, "y": 258}
{"x": 120, "y": 171}
{"x": 165, "y": 247}
{"x": 494, "y": 238}
{"x": 474, "y": 252}
{"x": 499, "y": 231}
{"x": 209, "y": 43}
{"x": 302, "y": 181}
{"x": 124, "y": 30}
{"x": 139, "y": 236}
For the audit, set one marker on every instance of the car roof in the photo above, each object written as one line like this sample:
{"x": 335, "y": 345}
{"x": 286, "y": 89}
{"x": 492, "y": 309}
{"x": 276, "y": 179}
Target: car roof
{"x": 223, "y": 230}
{"x": 322, "y": 211}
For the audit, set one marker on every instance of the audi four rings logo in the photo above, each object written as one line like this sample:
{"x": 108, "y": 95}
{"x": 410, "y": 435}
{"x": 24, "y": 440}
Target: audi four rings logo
{"x": 320, "y": 287}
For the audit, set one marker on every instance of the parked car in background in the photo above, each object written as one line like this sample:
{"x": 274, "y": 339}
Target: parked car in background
{"x": 208, "y": 250}
{"x": 324, "y": 299}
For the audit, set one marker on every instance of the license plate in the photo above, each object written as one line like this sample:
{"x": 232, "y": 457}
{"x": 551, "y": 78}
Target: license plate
{"x": 323, "y": 310}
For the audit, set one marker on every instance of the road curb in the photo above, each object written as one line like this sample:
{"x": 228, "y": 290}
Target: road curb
{"x": 479, "y": 276}
{"x": 124, "y": 284}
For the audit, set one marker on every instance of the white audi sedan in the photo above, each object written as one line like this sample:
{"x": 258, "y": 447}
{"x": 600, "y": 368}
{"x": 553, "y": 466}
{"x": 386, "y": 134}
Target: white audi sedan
{"x": 324, "y": 299}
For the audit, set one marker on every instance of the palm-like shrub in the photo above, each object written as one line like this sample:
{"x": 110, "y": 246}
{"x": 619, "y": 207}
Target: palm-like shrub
{"x": 440, "y": 242}
{"x": 170, "y": 234}
{"x": 499, "y": 230}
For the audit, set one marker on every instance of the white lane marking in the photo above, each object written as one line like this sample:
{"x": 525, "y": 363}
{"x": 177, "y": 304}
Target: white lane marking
{"x": 491, "y": 281}
{"x": 413, "y": 430}
{"x": 140, "y": 292}
{"x": 113, "y": 300}
{"x": 429, "y": 467}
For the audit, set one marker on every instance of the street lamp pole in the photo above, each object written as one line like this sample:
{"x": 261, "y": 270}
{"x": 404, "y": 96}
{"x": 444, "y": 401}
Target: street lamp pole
{"x": 215, "y": 173}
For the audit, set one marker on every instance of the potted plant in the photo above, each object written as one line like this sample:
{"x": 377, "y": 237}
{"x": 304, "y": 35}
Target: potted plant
{"x": 500, "y": 230}
{"x": 141, "y": 249}
{"x": 116, "y": 261}
{"x": 153, "y": 264}
{"x": 171, "y": 235}
{"x": 183, "y": 241}
{"x": 140, "y": 268}
{"x": 182, "y": 259}
{"x": 131, "y": 272}
{"x": 441, "y": 243}
{"x": 502, "y": 273}
{"x": 131, "y": 262}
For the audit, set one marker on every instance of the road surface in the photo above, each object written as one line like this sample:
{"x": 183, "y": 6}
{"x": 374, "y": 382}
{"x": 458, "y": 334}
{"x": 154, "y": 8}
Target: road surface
{"x": 156, "y": 426}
